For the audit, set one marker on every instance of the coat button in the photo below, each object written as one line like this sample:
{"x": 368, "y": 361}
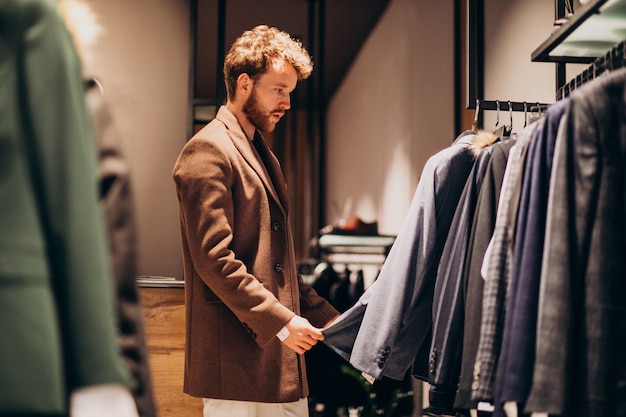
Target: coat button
{"x": 248, "y": 330}
{"x": 278, "y": 268}
{"x": 275, "y": 226}
{"x": 433, "y": 361}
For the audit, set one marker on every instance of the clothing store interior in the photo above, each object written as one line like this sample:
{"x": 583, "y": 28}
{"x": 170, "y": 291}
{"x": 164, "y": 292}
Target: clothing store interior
{"x": 412, "y": 154}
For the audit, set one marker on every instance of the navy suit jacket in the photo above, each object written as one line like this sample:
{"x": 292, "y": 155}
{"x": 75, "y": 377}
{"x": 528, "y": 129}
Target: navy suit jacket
{"x": 514, "y": 374}
{"x": 498, "y": 259}
{"x": 448, "y": 305}
{"x": 482, "y": 230}
{"x": 383, "y": 332}
{"x": 581, "y": 334}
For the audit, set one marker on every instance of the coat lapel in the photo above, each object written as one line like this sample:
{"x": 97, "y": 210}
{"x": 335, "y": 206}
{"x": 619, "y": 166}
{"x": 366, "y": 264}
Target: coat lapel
{"x": 270, "y": 173}
{"x": 273, "y": 169}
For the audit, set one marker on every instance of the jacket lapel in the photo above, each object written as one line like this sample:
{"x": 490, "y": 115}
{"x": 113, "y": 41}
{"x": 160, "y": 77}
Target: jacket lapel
{"x": 273, "y": 169}
{"x": 271, "y": 175}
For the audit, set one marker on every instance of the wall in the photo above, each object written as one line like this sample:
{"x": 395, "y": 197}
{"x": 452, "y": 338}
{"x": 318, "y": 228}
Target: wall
{"x": 394, "y": 109}
{"x": 513, "y": 30}
{"x": 142, "y": 59}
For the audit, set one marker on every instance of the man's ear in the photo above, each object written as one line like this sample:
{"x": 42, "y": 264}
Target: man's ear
{"x": 244, "y": 84}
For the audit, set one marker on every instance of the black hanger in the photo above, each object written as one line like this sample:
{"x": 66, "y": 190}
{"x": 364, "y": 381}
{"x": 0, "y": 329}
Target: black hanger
{"x": 504, "y": 131}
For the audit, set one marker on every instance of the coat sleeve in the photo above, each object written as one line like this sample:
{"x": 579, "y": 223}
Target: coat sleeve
{"x": 61, "y": 142}
{"x": 314, "y": 307}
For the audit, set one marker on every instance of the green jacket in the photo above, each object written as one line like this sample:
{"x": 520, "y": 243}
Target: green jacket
{"x": 57, "y": 319}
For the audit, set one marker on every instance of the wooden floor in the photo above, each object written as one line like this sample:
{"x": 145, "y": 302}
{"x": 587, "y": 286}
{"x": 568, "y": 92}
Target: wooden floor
{"x": 164, "y": 320}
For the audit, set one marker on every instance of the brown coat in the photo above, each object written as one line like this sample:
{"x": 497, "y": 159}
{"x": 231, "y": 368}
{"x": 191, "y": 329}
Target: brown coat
{"x": 240, "y": 270}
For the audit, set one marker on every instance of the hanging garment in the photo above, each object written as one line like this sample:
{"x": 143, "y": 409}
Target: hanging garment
{"x": 481, "y": 232}
{"x": 382, "y": 333}
{"x": 448, "y": 305}
{"x": 498, "y": 260}
{"x": 514, "y": 372}
{"x": 580, "y": 364}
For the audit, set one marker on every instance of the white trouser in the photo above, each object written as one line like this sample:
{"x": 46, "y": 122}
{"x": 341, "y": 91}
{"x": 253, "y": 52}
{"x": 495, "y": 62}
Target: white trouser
{"x": 228, "y": 408}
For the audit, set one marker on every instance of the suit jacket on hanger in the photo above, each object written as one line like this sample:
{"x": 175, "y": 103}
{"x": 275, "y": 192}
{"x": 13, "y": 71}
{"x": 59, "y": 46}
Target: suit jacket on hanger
{"x": 581, "y": 336}
{"x": 448, "y": 305}
{"x": 498, "y": 260}
{"x": 382, "y": 333}
{"x": 481, "y": 233}
{"x": 514, "y": 373}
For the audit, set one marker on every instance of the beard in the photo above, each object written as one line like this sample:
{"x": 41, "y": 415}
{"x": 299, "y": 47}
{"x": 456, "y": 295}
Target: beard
{"x": 261, "y": 119}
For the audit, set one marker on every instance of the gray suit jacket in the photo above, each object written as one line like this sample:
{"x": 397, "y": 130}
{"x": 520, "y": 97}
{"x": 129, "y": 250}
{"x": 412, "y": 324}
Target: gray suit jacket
{"x": 482, "y": 230}
{"x": 448, "y": 303}
{"x": 499, "y": 263}
{"x": 581, "y": 336}
{"x": 382, "y": 333}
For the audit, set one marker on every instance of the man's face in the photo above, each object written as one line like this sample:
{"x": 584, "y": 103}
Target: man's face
{"x": 270, "y": 97}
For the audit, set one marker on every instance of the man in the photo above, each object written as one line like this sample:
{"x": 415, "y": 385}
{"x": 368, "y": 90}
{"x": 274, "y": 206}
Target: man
{"x": 249, "y": 316}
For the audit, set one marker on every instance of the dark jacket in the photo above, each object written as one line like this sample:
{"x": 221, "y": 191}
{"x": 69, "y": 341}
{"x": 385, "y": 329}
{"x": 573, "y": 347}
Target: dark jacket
{"x": 581, "y": 336}
{"x": 117, "y": 201}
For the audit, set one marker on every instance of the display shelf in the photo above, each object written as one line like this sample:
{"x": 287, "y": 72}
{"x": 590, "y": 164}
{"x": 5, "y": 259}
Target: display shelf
{"x": 592, "y": 31}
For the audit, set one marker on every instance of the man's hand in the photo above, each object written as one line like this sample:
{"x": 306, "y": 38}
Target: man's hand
{"x": 302, "y": 335}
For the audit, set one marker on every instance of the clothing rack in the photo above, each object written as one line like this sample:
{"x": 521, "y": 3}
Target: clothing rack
{"x": 614, "y": 59}
{"x": 507, "y": 106}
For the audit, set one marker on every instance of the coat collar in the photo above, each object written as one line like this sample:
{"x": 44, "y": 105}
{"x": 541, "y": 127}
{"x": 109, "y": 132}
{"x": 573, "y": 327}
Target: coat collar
{"x": 271, "y": 170}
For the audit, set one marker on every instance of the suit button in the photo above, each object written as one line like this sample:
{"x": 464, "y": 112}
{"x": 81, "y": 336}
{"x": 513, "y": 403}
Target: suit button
{"x": 278, "y": 268}
{"x": 249, "y": 331}
{"x": 275, "y": 226}
{"x": 433, "y": 361}
{"x": 476, "y": 375}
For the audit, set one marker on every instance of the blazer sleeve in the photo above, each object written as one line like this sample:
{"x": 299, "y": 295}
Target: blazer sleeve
{"x": 314, "y": 307}
{"x": 61, "y": 141}
{"x": 384, "y": 331}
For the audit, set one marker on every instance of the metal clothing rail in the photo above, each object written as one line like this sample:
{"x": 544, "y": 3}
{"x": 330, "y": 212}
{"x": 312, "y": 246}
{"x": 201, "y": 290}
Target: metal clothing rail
{"x": 508, "y": 105}
{"x": 505, "y": 106}
{"x": 612, "y": 60}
